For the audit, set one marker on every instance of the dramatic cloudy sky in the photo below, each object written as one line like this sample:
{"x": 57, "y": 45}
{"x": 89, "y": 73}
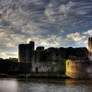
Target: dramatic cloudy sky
{"x": 47, "y": 22}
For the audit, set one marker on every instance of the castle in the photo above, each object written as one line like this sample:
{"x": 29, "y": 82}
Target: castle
{"x": 75, "y": 62}
{"x": 80, "y": 68}
{"x": 38, "y": 58}
{"x": 52, "y": 59}
{"x": 27, "y": 53}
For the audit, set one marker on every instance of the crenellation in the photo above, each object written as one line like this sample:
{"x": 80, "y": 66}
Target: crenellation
{"x": 40, "y": 48}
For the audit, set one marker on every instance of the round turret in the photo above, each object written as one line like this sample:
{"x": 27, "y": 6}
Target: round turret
{"x": 90, "y": 48}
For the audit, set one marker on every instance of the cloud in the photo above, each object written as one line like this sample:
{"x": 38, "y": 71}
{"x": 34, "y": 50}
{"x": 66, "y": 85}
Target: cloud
{"x": 9, "y": 39}
{"x": 8, "y": 54}
{"x": 81, "y": 12}
{"x": 66, "y": 8}
{"x": 50, "y": 41}
{"x": 70, "y": 14}
{"x": 77, "y": 38}
{"x": 89, "y": 32}
{"x": 33, "y": 28}
{"x": 45, "y": 21}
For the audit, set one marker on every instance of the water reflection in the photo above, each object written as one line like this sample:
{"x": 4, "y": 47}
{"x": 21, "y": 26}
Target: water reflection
{"x": 8, "y": 85}
{"x": 13, "y": 85}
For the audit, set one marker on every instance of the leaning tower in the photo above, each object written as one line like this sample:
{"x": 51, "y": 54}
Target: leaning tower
{"x": 90, "y": 48}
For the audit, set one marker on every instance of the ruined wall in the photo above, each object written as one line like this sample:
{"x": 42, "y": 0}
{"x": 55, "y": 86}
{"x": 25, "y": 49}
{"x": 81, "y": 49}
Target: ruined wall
{"x": 90, "y": 44}
{"x": 78, "y": 69}
{"x": 54, "y": 67}
{"x": 38, "y": 54}
{"x": 90, "y": 48}
{"x": 59, "y": 53}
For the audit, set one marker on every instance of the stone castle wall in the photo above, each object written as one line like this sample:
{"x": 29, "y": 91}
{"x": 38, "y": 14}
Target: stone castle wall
{"x": 90, "y": 44}
{"x": 25, "y": 52}
{"x": 79, "y": 69}
{"x": 90, "y": 48}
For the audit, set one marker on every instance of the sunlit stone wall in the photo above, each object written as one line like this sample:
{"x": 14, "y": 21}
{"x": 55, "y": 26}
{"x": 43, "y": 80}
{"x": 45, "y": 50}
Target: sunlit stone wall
{"x": 90, "y": 48}
{"x": 79, "y": 68}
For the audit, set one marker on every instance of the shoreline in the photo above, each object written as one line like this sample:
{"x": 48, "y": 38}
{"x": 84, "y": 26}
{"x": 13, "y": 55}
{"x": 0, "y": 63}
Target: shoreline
{"x": 35, "y": 75}
{"x": 40, "y": 76}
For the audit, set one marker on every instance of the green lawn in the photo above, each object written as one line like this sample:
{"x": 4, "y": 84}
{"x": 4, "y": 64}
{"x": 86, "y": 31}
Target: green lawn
{"x": 35, "y": 75}
{"x": 43, "y": 75}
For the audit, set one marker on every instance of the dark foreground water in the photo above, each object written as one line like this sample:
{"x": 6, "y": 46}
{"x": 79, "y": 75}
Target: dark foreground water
{"x": 16, "y": 85}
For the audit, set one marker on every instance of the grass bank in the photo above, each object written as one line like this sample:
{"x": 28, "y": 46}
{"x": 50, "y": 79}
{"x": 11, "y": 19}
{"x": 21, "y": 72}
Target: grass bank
{"x": 35, "y": 75}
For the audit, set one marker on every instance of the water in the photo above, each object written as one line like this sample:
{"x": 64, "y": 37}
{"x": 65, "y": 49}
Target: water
{"x": 16, "y": 85}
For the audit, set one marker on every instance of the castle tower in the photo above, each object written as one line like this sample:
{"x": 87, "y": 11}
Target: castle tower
{"x": 29, "y": 51}
{"x": 90, "y": 48}
{"x": 25, "y": 52}
{"x": 22, "y": 53}
{"x": 39, "y": 53}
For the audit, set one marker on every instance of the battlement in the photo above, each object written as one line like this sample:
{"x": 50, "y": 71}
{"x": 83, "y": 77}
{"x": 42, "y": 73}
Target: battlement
{"x": 40, "y": 48}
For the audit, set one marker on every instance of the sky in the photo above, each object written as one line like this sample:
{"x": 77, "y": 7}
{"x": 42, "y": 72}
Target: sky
{"x": 50, "y": 23}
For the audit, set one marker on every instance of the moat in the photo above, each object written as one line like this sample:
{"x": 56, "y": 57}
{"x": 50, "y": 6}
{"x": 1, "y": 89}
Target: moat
{"x": 27, "y": 85}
